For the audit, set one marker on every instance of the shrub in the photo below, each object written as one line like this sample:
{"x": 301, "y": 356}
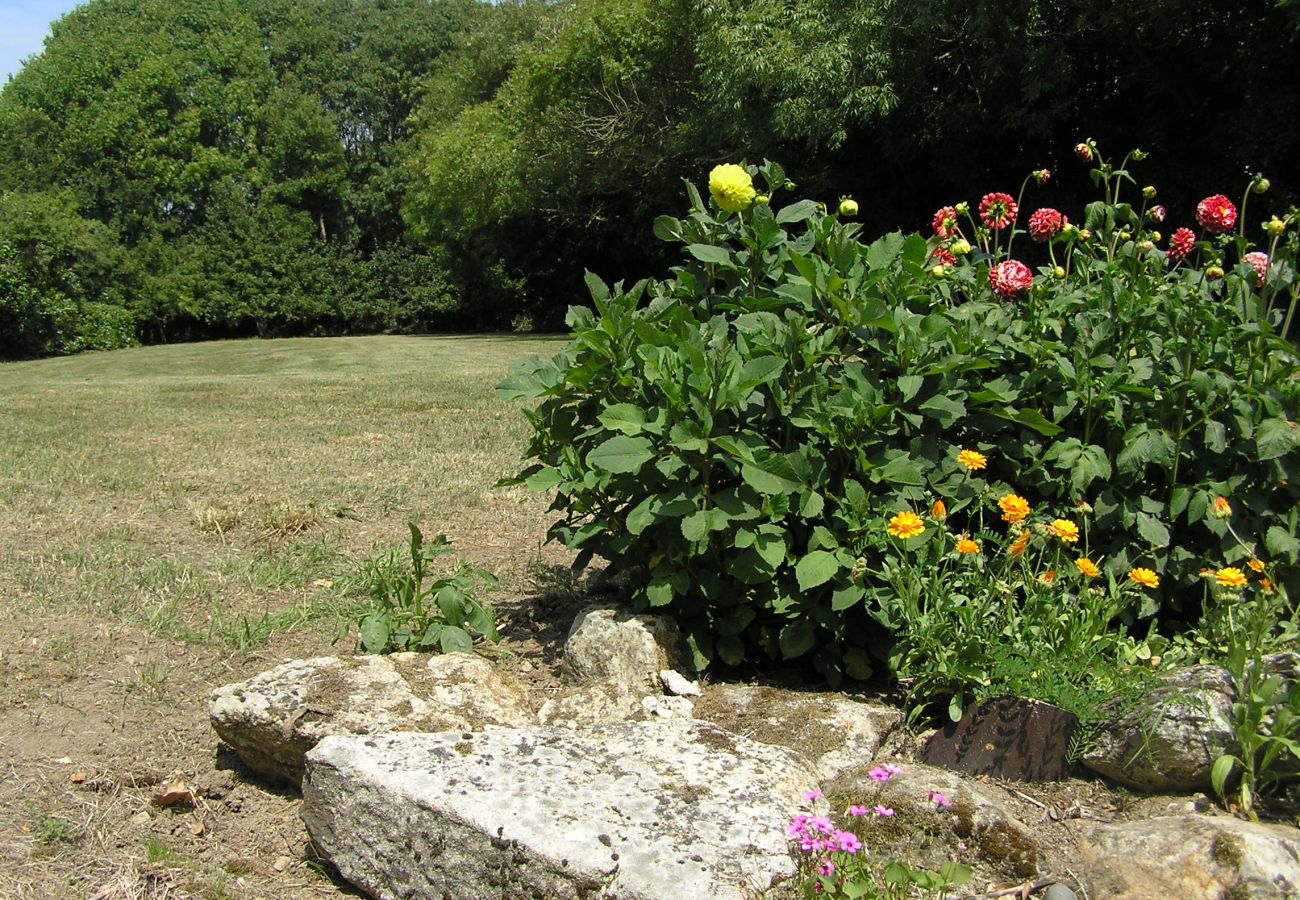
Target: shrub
{"x": 737, "y": 436}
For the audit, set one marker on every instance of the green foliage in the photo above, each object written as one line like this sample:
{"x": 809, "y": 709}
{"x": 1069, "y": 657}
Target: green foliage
{"x": 736, "y": 437}
{"x": 409, "y": 609}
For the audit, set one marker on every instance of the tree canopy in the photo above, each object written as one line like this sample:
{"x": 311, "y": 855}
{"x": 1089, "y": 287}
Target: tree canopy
{"x": 226, "y": 167}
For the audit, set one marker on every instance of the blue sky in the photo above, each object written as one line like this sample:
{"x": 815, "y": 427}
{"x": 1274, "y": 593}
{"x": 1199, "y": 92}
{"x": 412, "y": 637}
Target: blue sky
{"x": 24, "y": 25}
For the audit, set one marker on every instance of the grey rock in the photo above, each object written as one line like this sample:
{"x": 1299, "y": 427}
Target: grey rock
{"x": 634, "y": 811}
{"x": 1169, "y": 740}
{"x": 273, "y": 719}
{"x": 1192, "y": 856}
{"x": 607, "y": 643}
{"x": 667, "y": 707}
{"x": 602, "y": 702}
{"x": 1058, "y": 891}
{"x": 833, "y": 731}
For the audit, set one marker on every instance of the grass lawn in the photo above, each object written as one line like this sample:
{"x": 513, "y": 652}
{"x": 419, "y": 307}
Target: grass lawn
{"x": 172, "y": 518}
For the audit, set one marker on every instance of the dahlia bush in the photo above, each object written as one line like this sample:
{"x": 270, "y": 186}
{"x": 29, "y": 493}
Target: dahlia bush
{"x": 741, "y": 438}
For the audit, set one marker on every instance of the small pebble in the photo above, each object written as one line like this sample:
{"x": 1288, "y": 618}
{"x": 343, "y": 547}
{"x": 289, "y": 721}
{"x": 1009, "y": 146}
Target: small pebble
{"x": 282, "y": 863}
{"x": 1059, "y": 891}
{"x": 140, "y": 818}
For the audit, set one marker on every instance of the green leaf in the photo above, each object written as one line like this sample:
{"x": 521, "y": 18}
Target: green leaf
{"x": 1142, "y": 446}
{"x": 857, "y": 664}
{"x": 771, "y": 547}
{"x": 1280, "y": 542}
{"x": 944, "y": 410}
{"x": 908, "y": 385}
{"x": 956, "y": 706}
{"x": 816, "y": 568}
{"x": 667, "y": 228}
{"x": 731, "y": 650}
{"x": 641, "y": 516}
{"x": 902, "y": 469}
{"x": 1092, "y": 464}
{"x": 707, "y": 253}
{"x": 374, "y": 633}
{"x": 455, "y": 640}
{"x": 623, "y": 417}
{"x": 1030, "y": 418}
{"x": 543, "y": 481}
{"x": 621, "y": 454}
{"x": 796, "y": 212}
{"x": 1220, "y": 773}
{"x": 882, "y": 253}
{"x": 659, "y": 593}
{"x": 812, "y": 505}
{"x": 796, "y": 639}
{"x": 759, "y": 370}
{"x": 599, "y": 290}
{"x": 697, "y": 525}
{"x": 845, "y": 597}
{"x": 1274, "y": 438}
{"x": 1152, "y": 530}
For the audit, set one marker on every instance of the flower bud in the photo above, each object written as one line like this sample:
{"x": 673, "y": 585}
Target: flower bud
{"x": 1214, "y": 273}
{"x": 959, "y": 247}
{"x": 1138, "y": 156}
{"x": 1084, "y": 234}
{"x": 1149, "y": 192}
{"x": 1059, "y": 271}
{"x": 939, "y": 271}
{"x": 848, "y": 207}
{"x": 1155, "y": 236}
{"x": 1156, "y": 213}
{"x": 962, "y": 208}
{"x": 1042, "y": 176}
{"x": 1259, "y": 185}
{"x": 1145, "y": 246}
{"x": 1083, "y": 151}
{"x": 1125, "y": 236}
{"x": 1275, "y": 227}
{"x": 762, "y": 199}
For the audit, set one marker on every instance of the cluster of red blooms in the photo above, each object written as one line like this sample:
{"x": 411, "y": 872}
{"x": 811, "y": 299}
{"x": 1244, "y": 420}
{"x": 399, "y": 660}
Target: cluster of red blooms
{"x": 998, "y": 210}
{"x": 1216, "y": 214}
{"x": 1045, "y": 223}
{"x": 1180, "y": 244}
{"x": 1009, "y": 278}
{"x": 945, "y": 222}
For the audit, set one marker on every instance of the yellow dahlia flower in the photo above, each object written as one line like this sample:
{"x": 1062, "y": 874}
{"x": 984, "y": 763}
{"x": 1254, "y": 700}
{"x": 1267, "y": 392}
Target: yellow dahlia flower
{"x": 906, "y": 525}
{"x": 731, "y": 187}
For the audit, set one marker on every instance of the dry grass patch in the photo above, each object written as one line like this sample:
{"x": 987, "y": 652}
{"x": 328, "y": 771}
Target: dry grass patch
{"x": 175, "y": 518}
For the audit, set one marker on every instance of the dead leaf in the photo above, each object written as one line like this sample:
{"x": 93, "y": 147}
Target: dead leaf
{"x": 197, "y": 827}
{"x": 77, "y": 777}
{"x": 177, "y": 793}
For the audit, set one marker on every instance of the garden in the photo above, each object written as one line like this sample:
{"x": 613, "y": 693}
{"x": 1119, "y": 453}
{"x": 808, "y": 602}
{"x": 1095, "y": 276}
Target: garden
{"x": 1026, "y": 453}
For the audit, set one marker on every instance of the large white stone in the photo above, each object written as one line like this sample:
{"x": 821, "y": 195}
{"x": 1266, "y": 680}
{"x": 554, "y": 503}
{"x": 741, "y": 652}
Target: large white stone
{"x": 611, "y": 644}
{"x": 271, "y": 720}
{"x": 632, "y": 811}
{"x": 834, "y": 731}
{"x": 1192, "y": 856}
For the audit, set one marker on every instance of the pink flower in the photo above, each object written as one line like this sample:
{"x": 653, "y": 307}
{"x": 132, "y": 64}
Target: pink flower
{"x": 943, "y": 257}
{"x": 857, "y": 810}
{"x": 1042, "y": 176}
{"x": 1181, "y": 243}
{"x": 998, "y": 210}
{"x": 893, "y": 769}
{"x": 826, "y": 868}
{"x": 939, "y": 799}
{"x": 883, "y": 811}
{"x": 1216, "y": 214}
{"x": 1009, "y": 278}
{"x": 1083, "y": 151}
{"x": 1045, "y": 223}
{"x": 1156, "y": 213}
{"x": 812, "y": 795}
{"x": 1259, "y": 262}
{"x": 848, "y": 841}
{"x": 945, "y": 222}
{"x": 884, "y": 773}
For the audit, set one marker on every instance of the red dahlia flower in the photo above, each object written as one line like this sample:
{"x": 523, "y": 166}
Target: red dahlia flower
{"x": 1216, "y": 214}
{"x": 1045, "y": 223}
{"x": 1156, "y": 213}
{"x": 945, "y": 222}
{"x": 943, "y": 256}
{"x": 1009, "y": 278}
{"x": 1180, "y": 244}
{"x": 1259, "y": 262}
{"x": 998, "y": 210}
